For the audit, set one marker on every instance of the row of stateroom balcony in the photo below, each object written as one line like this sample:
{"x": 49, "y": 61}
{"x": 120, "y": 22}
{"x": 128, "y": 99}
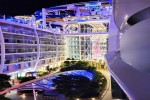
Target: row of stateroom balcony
{"x": 22, "y": 59}
{"x": 24, "y": 65}
{"x": 20, "y": 41}
{"x": 13, "y": 30}
{"x": 72, "y": 43}
{"x": 20, "y": 50}
{"x": 29, "y": 58}
{"x": 27, "y": 50}
{"x": 84, "y": 38}
{"x": 25, "y": 32}
{"x": 26, "y": 22}
{"x": 105, "y": 47}
{"x": 31, "y": 33}
{"x": 29, "y": 41}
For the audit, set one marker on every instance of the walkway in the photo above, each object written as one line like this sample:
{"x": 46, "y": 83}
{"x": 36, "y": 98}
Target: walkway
{"x": 107, "y": 95}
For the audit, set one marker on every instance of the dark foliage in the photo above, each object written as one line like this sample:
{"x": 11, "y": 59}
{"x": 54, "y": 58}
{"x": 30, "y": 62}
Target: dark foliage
{"x": 40, "y": 73}
{"x": 25, "y": 79}
{"x": 4, "y": 82}
{"x": 89, "y": 88}
{"x": 76, "y": 86}
{"x": 3, "y": 98}
{"x": 73, "y": 65}
{"x": 48, "y": 69}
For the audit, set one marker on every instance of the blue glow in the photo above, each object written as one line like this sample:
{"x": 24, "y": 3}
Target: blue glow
{"x": 80, "y": 73}
{"x": 81, "y": 20}
{"x": 48, "y": 81}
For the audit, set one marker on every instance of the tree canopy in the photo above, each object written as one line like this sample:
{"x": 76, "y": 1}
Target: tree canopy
{"x": 25, "y": 79}
{"x": 70, "y": 85}
{"x": 77, "y": 65}
{"x": 76, "y": 86}
{"x": 48, "y": 69}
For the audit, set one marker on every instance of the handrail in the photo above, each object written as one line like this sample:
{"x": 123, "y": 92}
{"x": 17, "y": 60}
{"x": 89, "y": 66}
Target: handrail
{"x": 25, "y": 83}
{"x": 35, "y": 81}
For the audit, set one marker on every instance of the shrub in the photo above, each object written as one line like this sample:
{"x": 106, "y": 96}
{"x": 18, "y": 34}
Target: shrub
{"x": 25, "y": 79}
{"x": 40, "y": 73}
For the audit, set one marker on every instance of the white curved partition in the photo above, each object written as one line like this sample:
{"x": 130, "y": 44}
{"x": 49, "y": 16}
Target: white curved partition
{"x": 130, "y": 63}
{"x": 135, "y": 46}
{"x": 123, "y": 9}
{"x": 2, "y": 51}
{"x": 113, "y": 37}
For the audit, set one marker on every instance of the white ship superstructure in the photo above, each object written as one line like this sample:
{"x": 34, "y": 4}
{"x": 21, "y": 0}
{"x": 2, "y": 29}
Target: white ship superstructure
{"x": 50, "y": 36}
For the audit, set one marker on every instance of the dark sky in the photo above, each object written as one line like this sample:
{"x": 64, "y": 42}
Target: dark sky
{"x": 28, "y": 7}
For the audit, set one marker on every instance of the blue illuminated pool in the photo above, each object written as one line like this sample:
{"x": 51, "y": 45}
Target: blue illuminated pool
{"x": 48, "y": 81}
{"x": 79, "y": 73}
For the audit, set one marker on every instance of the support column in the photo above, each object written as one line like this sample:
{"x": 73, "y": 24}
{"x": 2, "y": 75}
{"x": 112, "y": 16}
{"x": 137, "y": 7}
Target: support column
{"x": 44, "y": 18}
{"x": 56, "y": 41}
{"x": 80, "y": 47}
{"x": 79, "y": 29}
{"x": 113, "y": 39}
{"x": 38, "y": 49}
{"x": 33, "y": 20}
{"x": 2, "y": 51}
{"x": 64, "y": 29}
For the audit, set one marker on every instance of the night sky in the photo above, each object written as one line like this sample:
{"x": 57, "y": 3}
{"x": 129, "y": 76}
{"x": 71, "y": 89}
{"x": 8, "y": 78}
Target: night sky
{"x": 28, "y": 7}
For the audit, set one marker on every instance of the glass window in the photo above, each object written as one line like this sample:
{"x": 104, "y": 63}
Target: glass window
{"x": 43, "y": 61}
{"x": 17, "y": 66}
{"x": 27, "y": 64}
{"x": 6, "y": 68}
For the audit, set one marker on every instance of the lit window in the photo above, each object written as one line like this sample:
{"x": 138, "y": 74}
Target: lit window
{"x": 43, "y": 61}
{"x": 17, "y": 66}
{"x": 6, "y": 68}
{"x": 27, "y": 64}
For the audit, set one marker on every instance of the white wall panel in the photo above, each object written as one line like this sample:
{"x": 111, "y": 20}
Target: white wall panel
{"x": 135, "y": 46}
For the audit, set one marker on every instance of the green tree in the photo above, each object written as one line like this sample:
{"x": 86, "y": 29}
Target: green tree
{"x": 73, "y": 62}
{"x": 68, "y": 59}
{"x": 82, "y": 64}
{"x": 48, "y": 69}
{"x": 67, "y": 63}
{"x": 77, "y": 65}
{"x": 25, "y": 79}
{"x": 72, "y": 59}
